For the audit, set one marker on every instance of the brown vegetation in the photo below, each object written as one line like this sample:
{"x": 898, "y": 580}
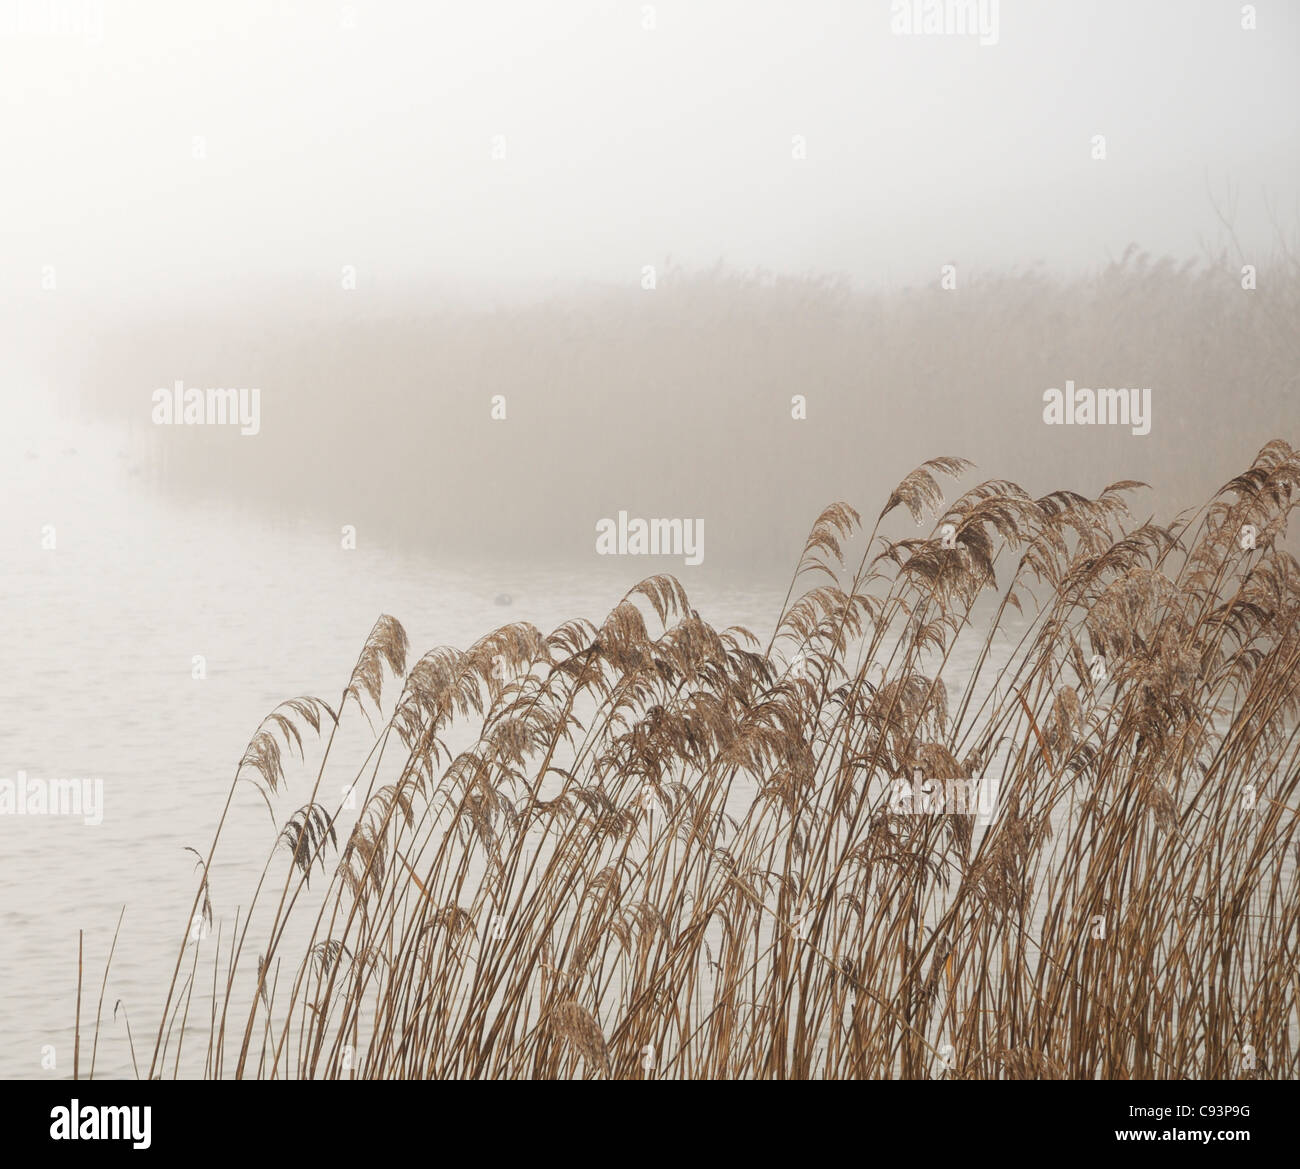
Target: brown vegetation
{"x": 653, "y": 848}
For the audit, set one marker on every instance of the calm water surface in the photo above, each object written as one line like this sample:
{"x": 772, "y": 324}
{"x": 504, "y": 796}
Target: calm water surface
{"x": 99, "y": 637}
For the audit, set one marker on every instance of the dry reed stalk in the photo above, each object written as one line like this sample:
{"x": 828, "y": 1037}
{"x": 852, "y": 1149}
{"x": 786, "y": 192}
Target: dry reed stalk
{"x": 707, "y": 845}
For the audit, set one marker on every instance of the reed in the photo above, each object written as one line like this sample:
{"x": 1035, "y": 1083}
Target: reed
{"x": 647, "y": 388}
{"x": 652, "y": 848}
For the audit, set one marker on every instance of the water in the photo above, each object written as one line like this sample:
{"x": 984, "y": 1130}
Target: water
{"x": 100, "y": 636}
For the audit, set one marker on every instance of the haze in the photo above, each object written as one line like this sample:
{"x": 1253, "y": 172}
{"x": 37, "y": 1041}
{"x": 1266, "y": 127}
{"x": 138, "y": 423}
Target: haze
{"x": 362, "y": 134}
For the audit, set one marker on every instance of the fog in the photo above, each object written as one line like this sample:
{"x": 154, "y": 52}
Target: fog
{"x": 492, "y": 291}
{"x": 646, "y": 228}
{"x": 363, "y": 134}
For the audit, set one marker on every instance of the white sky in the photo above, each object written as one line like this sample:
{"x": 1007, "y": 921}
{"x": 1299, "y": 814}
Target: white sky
{"x": 371, "y": 145}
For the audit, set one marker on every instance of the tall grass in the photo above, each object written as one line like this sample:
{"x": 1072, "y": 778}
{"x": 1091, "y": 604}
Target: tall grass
{"x": 651, "y": 848}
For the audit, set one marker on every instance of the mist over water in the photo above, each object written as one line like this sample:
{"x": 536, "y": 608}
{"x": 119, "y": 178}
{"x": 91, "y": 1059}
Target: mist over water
{"x": 501, "y": 272}
{"x": 103, "y": 633}
{"x": 647, "y": 228}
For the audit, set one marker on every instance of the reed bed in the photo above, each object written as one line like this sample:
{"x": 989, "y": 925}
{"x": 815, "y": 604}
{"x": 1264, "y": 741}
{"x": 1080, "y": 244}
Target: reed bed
{"x": 644, "y": 387}
{"x": 650, "y": 848}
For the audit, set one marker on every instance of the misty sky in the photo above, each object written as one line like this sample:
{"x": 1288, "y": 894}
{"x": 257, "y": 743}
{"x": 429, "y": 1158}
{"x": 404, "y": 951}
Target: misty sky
{"x": 363, "y": 134}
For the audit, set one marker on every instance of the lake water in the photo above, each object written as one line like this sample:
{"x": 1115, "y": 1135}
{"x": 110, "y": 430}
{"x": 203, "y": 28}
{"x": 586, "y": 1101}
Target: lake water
{"x": 100, "y": 635}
